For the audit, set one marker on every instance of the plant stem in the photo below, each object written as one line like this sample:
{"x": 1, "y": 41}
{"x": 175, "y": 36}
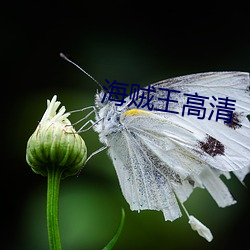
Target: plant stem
{"x": 54, "y": 177}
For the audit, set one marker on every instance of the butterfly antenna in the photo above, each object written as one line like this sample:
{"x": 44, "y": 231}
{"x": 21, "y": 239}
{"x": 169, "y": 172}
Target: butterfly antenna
{"x": 68, "y": 60}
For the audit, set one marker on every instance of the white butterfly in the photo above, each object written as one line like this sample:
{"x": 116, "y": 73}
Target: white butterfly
{"x": 160, "y": 157}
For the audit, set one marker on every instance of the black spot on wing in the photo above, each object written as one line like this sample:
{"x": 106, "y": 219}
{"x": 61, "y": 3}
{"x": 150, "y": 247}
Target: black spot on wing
{"x": 212, "y": 146}
{"x": 235, "y": 122}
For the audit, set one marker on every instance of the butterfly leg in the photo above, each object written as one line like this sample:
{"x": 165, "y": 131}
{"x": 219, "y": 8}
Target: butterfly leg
{"x": 83, "y": 129}
{"x": 96, "y": 152}
{"x": 91, "y": 155}
{"x": 86, "y": 116}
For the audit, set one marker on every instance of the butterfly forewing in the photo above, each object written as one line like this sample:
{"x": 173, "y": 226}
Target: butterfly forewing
{"x": 230, "y": 142}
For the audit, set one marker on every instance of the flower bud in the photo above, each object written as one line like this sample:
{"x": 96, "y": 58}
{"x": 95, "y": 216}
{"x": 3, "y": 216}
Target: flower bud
{"x": 55, "y": 144}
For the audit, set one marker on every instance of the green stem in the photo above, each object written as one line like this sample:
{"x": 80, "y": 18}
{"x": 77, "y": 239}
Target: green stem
{"x": 54, "y": 177}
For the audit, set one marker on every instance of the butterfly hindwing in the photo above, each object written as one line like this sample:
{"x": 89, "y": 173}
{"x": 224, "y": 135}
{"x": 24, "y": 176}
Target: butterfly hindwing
{"x": 142, "y": 183}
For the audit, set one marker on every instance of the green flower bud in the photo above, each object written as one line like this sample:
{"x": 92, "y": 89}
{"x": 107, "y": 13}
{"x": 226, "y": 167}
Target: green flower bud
{"x": 55, "y": 144}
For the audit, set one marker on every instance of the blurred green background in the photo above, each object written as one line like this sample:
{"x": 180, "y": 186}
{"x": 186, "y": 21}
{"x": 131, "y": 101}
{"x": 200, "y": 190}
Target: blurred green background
{"x": 127, "y": 41}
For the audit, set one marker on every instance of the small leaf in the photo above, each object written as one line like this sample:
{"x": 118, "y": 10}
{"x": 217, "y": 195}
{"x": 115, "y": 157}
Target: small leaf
{"x": 110, "y": 245}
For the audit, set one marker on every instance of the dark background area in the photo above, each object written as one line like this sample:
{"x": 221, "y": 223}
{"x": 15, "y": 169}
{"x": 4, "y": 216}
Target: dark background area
{"x": 127, "y": 41}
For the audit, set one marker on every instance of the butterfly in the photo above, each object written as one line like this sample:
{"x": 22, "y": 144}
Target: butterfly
{"x": 161, "y": 157}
